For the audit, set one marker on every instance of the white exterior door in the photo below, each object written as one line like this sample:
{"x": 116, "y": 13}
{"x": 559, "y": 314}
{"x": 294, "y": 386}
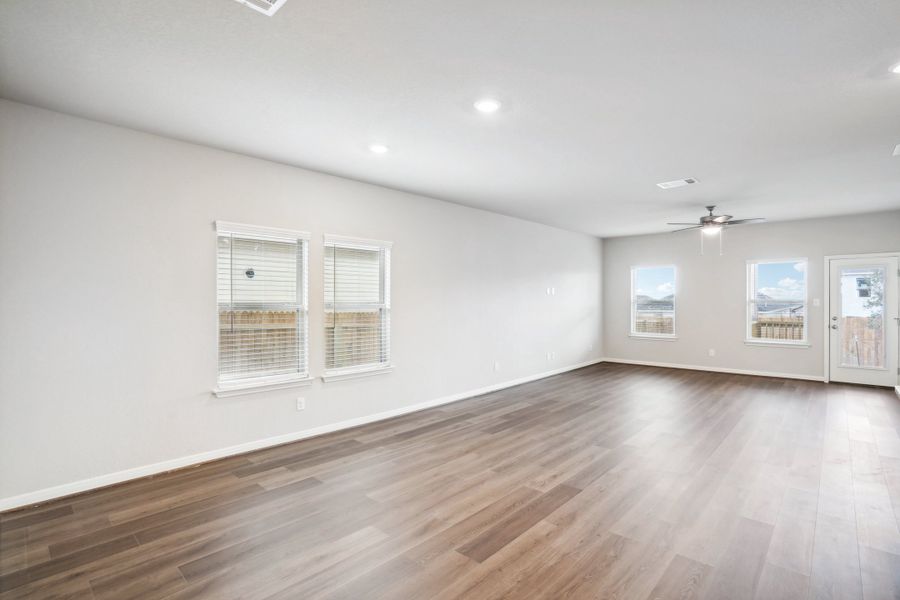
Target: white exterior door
{"x": 864, "y": 320}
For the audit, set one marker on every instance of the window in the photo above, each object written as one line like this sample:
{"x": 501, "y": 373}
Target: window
{"x": 776, "y": 301}
{"x": 262, "y": 301}
{"x": 357, "y": 306}
{"x": 653, "y": 301}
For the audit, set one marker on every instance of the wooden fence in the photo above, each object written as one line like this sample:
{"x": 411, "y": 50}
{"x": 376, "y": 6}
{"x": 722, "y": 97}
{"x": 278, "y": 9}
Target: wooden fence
{"x": 254, "y": 341}
{"x": 647, "y": 322}
{"x": 777, "y": 328}
{"x": 258, "y": 341}
{"x": 355, "y": 338}
{"x": 862, "y": 342}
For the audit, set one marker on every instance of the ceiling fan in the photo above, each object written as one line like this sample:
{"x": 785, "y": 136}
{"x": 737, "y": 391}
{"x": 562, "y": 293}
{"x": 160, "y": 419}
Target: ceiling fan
{"x": 714, "y": 223}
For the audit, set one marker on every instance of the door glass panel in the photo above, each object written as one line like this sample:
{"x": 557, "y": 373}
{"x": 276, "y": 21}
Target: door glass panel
{"x": 861, "y": 323}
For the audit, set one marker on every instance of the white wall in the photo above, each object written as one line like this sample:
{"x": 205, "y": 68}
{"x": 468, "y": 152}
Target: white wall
{"x": 107, "y": 298}
{"x": 710, "y": 303}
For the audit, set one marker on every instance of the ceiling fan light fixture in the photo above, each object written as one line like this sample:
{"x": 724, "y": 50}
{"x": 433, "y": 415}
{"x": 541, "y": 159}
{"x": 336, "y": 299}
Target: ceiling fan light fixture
{"x": 712, "y": 224}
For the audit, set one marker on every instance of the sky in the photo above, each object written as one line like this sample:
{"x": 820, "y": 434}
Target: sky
{"x": 656, "y": 282}
{"x": 782, "y": 281}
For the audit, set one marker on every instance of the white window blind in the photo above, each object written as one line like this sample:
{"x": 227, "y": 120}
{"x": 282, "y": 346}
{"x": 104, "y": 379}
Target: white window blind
{"x": 262, "y": 301}
{"x": 357, "y": 305}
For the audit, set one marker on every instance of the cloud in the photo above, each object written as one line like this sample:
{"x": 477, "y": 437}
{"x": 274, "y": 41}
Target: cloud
{"x": 800, "y": 266}
{"x": 789, "y": 283}
{"x": 783, "y": 293}
{"x": 665, "y": 288}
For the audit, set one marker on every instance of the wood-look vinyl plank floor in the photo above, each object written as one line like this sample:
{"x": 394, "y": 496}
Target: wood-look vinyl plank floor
{"x": 612, "y": 481}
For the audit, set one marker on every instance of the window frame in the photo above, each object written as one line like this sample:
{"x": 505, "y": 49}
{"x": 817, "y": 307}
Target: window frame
{"x": 749, "y": 300}
{"x": 262, "y": 383}
{"x": 385, "y": 249}
{"x": 633, "y": 305}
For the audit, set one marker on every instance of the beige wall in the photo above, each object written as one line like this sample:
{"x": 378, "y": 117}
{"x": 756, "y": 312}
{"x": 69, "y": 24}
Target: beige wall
{"x": 108, "y": 300}
{"x": 710, "y": 303}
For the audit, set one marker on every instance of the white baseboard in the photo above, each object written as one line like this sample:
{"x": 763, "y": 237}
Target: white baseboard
{"x": 84, "y": 485}
{"x": 648, "y": 363}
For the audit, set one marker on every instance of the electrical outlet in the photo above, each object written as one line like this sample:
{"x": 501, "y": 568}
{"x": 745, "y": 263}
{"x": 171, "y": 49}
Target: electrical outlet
{"x": 550, "y": 356}
{"x": 712, "y": 351}
{"x": 496, "y": 366}
{"x": 301, "y": 403}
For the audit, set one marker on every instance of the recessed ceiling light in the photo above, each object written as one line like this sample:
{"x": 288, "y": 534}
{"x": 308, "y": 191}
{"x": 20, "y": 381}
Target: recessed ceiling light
{"x": 487, "y": 105}
{"x": 666, "y": 185}
{"x": 897, "y": 150}
{"x": 896, "y": 69}
{"x": 378, "y": 148}
{"x": 266, "y": 7}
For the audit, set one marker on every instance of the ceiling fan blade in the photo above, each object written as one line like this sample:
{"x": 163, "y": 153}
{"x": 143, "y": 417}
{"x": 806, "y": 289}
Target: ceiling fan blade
{"x": 685, "y": 229}
{"x": 694, "y": 224}
{"x": 721, "y": 218}
{"x": 742, "y": 221}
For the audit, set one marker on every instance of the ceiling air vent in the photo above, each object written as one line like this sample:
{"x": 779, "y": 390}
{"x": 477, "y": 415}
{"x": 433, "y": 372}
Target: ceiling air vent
{"x": 666, "y": 185}
{"x": 266, "y": 7}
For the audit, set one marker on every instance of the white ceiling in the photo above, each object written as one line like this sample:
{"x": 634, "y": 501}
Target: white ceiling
{"x": 780, "y": 108}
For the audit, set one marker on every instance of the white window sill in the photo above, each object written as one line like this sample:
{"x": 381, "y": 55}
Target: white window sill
{"x": 663, "y": 338}
{"x": 239, "y": 389}
{"x": 776, "y": 344}
{"x": 342, "y": 375}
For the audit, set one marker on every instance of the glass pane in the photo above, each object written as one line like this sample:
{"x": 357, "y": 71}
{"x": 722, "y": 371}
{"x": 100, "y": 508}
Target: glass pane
{"x": 257, "y": 271}
{"x": 778, "y": 301}
{"x": 780, "y": 281}
{"x": 861, "y": 324}
{"x": 352, "y": 275}
{"x": 354, "y": 339}
{"x": 654, "y": 300}
{"x": 771, "y": 320}
{"x": 259, "y": 342}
